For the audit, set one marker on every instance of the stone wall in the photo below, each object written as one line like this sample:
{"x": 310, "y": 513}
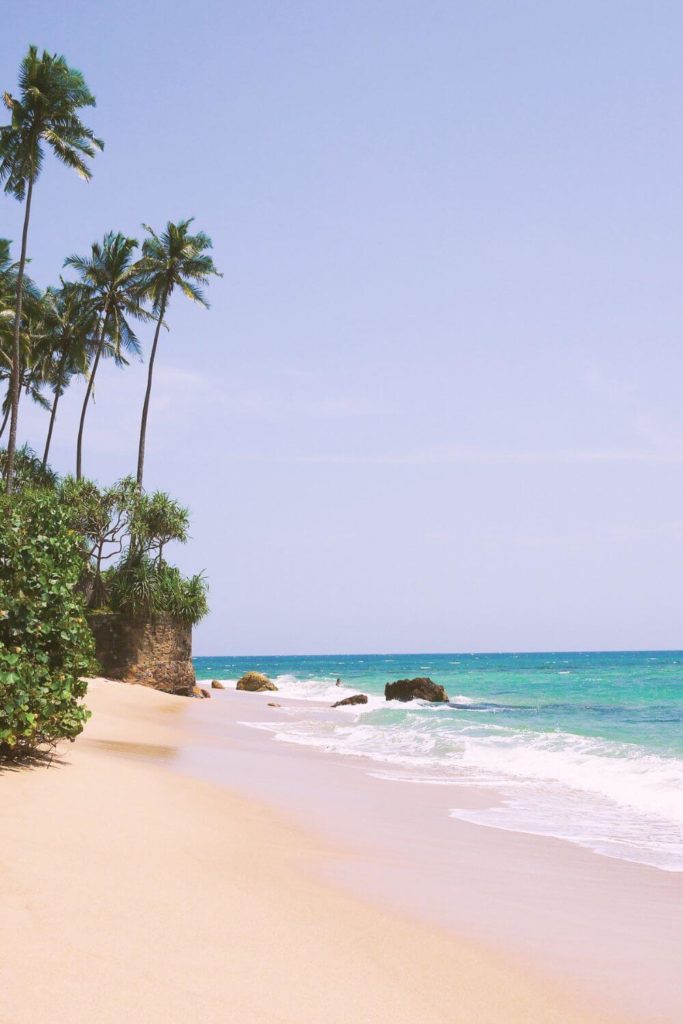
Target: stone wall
{"x": 153, "y": 652}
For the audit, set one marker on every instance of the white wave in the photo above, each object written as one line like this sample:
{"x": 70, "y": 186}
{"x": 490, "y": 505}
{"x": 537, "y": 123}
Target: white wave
{"x": 615, "y": 798}
{"x": 594, "y": 822}
{"x": 324, "y": 691}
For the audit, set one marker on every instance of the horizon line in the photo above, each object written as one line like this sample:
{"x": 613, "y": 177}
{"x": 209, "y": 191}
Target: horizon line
{"x": 460, "y": 654}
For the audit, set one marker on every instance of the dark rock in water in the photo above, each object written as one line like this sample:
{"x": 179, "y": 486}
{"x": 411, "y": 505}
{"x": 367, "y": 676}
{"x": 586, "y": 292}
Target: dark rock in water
{"x": 216, "y": 684}
{"x": 415, "y": 689}
{"x": 356, "y": 698}
{"x": 255, "y": 682}
{"x": 200, "y": 692}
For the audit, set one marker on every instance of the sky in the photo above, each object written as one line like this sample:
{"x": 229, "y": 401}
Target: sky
{"x": 436, "y": 402}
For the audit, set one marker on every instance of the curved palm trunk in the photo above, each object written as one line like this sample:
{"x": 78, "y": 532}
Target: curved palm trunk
{"x": 4, "y": 421}
{"x": 148, "y": 392}
{"x": 55, "y": 403}
{"x": 88, "y": 392}
{"x": 15, "y": 381}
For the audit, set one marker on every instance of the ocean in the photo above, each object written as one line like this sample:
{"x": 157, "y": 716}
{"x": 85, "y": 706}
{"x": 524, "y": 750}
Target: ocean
{"x": 586, "y": 747}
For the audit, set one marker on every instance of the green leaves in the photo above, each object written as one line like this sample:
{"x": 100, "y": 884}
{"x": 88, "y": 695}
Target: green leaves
{"x": 45, "y": 113}
{"x": 122, "y": 522}
{"x": 45, "y": 644}
{"x": 176, "y": 258}
{"x": 145, "y": 587}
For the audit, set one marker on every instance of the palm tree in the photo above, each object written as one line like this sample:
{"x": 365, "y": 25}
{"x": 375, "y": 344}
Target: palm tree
{"x": 30, "y": 355}
{"x": 7, "y": 292}
{"x": 44, "y": 115}
{"x": 70, "y": 329}
{"x": 111, "y": 281}
{"x": 173, "y": 259}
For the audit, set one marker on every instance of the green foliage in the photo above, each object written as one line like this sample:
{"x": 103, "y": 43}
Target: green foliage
{"x": 110, "y": 289}
{"x": 101, "y": 516}
{"x": 45, "y": 114}
{"x": 146, "y": 587}
{"x": 125, "y": 523}
{"x": 46, "y": 647}
{"x": 157, "y": 519}
{"x": 29, "y": 471}
{"x": 69, "y": 327}
{"x": 175, "y": 259}
{"x": 31, "y": 351}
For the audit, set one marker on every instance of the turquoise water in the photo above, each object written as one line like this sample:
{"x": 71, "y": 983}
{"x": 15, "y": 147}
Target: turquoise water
{"x": 584, "y": 746}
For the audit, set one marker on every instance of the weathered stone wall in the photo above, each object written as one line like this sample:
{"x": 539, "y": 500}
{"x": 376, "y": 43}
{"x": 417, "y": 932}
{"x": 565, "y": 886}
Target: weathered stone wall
{"x": 153, "y": 652}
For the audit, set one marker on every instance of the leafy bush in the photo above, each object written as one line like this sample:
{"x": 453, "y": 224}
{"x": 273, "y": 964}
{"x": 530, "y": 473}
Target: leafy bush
{"x": 29, "y": 470}
{"x": 102, "y": 518}
{"x": 126, "y": 523}
{"x": 45, "y": 644}
{"x": 143, "y": 586}
{"x": 156, "y": 520}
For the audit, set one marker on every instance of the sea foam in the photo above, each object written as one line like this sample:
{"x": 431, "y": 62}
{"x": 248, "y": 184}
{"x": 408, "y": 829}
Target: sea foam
{"x": 617, "y": 799}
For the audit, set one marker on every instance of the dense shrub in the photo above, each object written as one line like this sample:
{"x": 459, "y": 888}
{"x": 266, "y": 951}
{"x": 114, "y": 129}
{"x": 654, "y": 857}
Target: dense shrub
{"x": 45, "y": 644}
{"x": 145, "y": 586}
{"x": 29, "y": 470}
{"x": 124, "y": 523}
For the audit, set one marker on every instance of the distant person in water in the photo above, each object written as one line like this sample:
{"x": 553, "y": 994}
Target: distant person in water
{"x": 338, "y": 683}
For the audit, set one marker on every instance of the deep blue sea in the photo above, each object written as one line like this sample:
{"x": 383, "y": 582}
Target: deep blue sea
{"x": 585, "y": 746}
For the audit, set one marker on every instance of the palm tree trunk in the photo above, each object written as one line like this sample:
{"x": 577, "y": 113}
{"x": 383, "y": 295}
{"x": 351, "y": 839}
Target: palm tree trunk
{"x": 88, "y": 392}
{"x": 4, "y": 421}
{"x": 16, "y": 349}
{"x": 148, "y": 392}
{"x": 55, "y": 403}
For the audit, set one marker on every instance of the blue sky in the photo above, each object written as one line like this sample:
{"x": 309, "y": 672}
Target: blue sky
{"x": 436, "y": 403}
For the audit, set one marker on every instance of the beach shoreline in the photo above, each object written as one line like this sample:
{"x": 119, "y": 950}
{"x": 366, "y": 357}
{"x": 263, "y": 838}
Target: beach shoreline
{"x": 607, "y": 928}
{"x": 162, "y": 871}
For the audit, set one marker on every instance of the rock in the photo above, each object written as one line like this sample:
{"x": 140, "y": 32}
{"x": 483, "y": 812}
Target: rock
{"x": 216, "y": 684}
{"x": 272, "y": 704}
{"x": 415, "y": 689}
{"x": 255, "y": 682}
{"x": 200, "y": 692}
{"x": 356, "y": 698}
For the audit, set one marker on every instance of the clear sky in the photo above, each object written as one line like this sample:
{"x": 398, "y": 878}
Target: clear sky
{"x": 436, "y": 403}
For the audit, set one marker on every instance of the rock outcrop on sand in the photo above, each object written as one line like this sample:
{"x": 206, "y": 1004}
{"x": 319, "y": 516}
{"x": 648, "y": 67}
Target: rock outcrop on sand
{"x": 200, "y": 692}
{"x": 272, "y": 704}
{"x": 255, "y": 682}
{"x": 216, "y": 684}
{"x": 356, "y": 698}
{"x": 415, "y": 689}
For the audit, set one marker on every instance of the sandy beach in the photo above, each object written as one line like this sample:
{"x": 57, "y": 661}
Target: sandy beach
{"x": 605, "y": 929}
{"x": 132, "y": 890}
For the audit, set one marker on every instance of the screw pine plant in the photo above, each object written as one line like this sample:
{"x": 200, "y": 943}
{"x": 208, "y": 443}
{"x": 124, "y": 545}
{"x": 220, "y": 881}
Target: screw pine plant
{"x": 120, "y": 522}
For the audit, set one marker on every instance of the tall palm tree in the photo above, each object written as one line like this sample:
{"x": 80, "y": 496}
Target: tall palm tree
{"x": 7, "y": 292}
{"x": 29, "y": 372}
{"x": 32, "y": 367}
{"x": 111, "y": 281}
{"x": 70, "y": 329}
{"x": 44, "y": 115}
{"x": 173, "y": 259}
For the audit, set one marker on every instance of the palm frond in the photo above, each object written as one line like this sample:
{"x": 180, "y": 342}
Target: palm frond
{"x": 44, "y": 114}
